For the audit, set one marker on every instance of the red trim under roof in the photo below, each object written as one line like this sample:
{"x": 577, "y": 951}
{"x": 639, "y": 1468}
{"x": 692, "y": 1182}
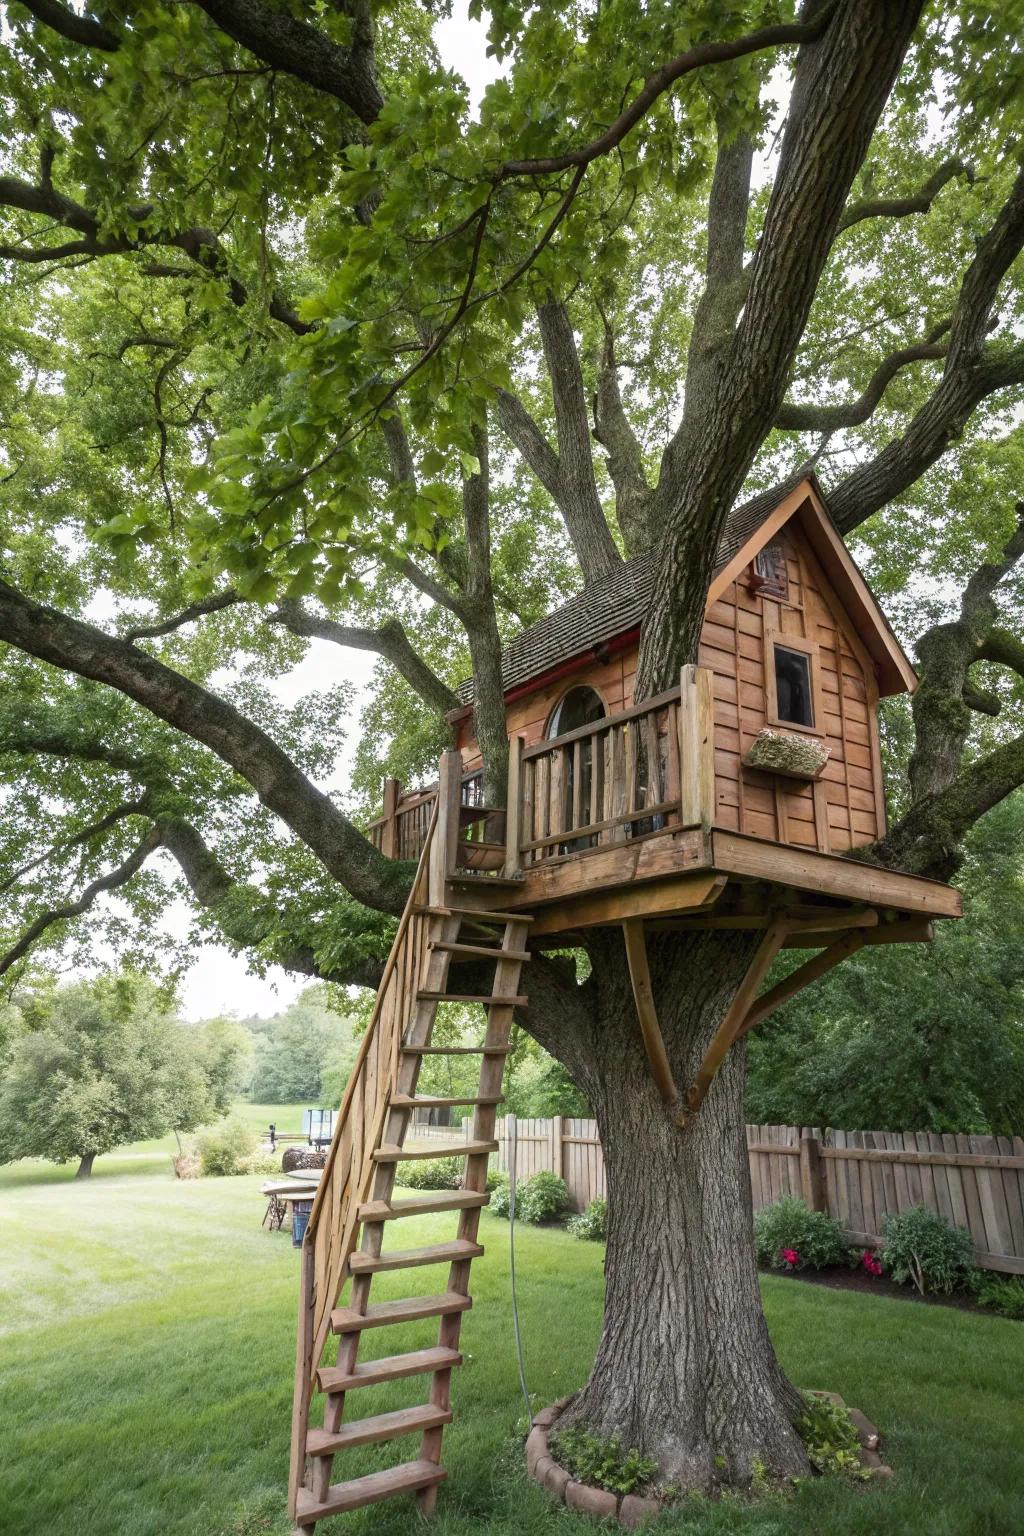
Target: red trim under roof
{"x": 596, "y": 653}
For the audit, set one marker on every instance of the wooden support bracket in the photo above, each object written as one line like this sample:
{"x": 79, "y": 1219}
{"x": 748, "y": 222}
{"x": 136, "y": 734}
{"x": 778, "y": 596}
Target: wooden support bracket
{"x": 729, "y": 1029}
{"x": 643, "y": 996}
{"x": 811, "y": 970}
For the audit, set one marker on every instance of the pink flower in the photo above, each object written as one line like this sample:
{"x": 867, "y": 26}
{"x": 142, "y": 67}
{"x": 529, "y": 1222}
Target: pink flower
{"x": 870, "y": 1262}
{"x": 789, "y": 1257}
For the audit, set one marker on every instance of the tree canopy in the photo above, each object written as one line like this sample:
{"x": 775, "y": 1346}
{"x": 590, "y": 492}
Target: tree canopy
{"x": 93, "y": 1065}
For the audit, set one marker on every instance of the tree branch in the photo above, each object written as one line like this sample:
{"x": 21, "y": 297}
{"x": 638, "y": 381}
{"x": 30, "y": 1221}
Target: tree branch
{"x": 662, "y": 80}
{"x": 972, "y": 372}
{"x": 199, "y": 610}
{"x": 109, "y": 882}
{"x": 841, "y": 85}
{"x": 578, "y": 502}
{"x": 95, "y": 829}
{"x": 77, "y": 29}
{"x": 525, "y": 435}
{"x": 901, "y": 207}
{"x": 795, "y": 416}
{"x": 296, "y": 48}
{"x": 81, "y": 648}
{"x": 389, "y": 640}
{"x": 946, "y": 796}
{"x": 625, "y": 457}
{"x": 199, "y": 244}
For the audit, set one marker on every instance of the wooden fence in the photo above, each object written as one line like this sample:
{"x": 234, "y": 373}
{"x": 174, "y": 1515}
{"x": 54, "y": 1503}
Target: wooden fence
{"x": 975, "y": 1182}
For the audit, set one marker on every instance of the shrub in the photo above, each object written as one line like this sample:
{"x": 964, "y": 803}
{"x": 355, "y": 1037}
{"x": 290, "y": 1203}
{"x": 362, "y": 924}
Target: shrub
{"x": 501, "y": 1197}
{"x": 809, "y": 1239}
{"x": 225, "y": 1149}
{"x": 1002, "y": 1294}
{"x": 436, "y": 1173}
{"x": 186, "y": 1164}
{"x": 592, "y": 1224}
{"x": 545, "y": 1197}
{"x": 602, "y": 1463}
{"x": 260, "y": 1162}
{"x": 919, "y": 1245}
{"x": 829, "y": 1436}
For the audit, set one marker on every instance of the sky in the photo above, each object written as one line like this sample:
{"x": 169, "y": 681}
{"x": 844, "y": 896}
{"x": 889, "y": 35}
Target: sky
{"x": 219, "y": 982}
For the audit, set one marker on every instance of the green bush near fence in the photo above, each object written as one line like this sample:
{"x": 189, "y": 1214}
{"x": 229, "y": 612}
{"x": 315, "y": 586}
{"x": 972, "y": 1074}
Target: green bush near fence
{"x": 788, "y": 1227}
{"x": 920, "y": 1247}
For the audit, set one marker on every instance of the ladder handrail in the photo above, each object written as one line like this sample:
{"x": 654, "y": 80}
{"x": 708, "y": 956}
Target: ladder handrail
{"x": 364, "y": 1046}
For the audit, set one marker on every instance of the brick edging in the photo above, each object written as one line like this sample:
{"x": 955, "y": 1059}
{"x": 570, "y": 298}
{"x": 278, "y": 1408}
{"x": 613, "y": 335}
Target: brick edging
{"x": 629, "y": 1509}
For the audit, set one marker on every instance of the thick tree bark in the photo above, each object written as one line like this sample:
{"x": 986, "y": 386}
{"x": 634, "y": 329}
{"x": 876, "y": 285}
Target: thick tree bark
{"x": 685, "y": 1369}
{"x": 85, "y": 1166}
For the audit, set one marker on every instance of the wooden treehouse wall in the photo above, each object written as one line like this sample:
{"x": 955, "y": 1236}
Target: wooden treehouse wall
{"x": 846, "y": 807}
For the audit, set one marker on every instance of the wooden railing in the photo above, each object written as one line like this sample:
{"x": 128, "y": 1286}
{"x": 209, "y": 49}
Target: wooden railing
{"x": 647, "y": 769}
{"x": 644, "y": 770}
{"x": 345, "y": 1182}
{"x": 401, "y": 831}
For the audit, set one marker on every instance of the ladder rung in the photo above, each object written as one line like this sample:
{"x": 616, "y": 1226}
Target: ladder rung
{"x": 456, "y": 1050}
{"x": 478, "y": 914}
{"x": 410, "y": 1101}
{"x": 412, "y": 1258}
{"x": 423, "y": 1205}
{"x": 372, "y": 1373}
{"x": 472, "y": 997}
{"x": 341, "y": 1497}
{"x": 485, "y": 882}
{"x": 381, "y": 1426}
{"x": 488, "y": 951}
{"x": 389, "y": 1153}
{"x": 407, "y": 1309}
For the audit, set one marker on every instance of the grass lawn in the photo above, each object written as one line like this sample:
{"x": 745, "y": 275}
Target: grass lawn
{"x": 143, "y": 1157}
{"x": 146, "y": 1356}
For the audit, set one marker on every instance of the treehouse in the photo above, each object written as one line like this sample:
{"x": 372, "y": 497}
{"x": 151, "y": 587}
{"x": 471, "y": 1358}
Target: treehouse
{"x": 738, "y": 799}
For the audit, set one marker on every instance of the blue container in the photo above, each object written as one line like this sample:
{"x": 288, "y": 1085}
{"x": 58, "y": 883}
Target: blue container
{"x": 300, "y": 1221}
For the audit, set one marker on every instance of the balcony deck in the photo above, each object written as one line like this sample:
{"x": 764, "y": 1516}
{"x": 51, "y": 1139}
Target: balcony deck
{"x": 617, "y": 820}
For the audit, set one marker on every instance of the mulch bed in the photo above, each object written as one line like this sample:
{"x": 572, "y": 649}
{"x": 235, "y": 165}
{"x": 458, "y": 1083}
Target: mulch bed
{"x": 876, "y": 1285}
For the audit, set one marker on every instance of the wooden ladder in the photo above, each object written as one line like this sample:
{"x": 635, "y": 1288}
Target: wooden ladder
{"x": 355, "y": 1206}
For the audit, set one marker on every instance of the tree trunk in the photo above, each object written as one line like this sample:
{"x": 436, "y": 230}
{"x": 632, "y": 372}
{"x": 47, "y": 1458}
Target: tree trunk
{"x": 85, "y": 1166}
{"x": 685, "y": 1369}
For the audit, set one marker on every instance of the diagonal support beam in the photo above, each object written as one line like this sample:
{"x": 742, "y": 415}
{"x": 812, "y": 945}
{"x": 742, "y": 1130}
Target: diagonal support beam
{"x": 643, "y": 996}
{"x": 811, "y": 970}
{"x": 731, "y": 1026}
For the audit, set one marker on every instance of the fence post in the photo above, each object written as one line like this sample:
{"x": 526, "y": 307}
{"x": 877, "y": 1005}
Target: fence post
{"x": 389, "y": 831}
{"x": 812, "y": 1176}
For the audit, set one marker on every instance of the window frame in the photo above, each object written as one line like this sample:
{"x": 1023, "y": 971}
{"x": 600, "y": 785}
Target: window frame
{"x": 776, "y": 586}
{"x": 556, "y": 708}
{"x": 810, "y": 648}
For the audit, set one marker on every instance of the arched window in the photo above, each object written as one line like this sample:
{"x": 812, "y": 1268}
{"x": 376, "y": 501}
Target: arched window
{"x": 580, "y": 706}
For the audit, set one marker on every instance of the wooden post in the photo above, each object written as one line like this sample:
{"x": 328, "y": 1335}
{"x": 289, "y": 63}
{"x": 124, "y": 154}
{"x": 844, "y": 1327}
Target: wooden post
{"x": 303, "y": 1375}
{"x": 389, "y": 831}
{"x": 445, "y": 845}
{"x": 696, "y": 748}
{"x": 812, "y": 1176}
{"x": 514, "y": 813}
{"x": 643, "y": 996}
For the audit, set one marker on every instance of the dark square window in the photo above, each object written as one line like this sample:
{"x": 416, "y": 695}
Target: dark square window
{"x": 793, "y": 686}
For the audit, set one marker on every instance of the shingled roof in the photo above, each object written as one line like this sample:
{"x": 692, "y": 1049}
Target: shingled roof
{"x": 615, "y": 603}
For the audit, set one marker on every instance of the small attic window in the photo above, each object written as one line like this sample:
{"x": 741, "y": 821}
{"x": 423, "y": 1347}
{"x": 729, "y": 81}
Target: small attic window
{"x": 768, "y": 573}
{"x": 793, "y": 693}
